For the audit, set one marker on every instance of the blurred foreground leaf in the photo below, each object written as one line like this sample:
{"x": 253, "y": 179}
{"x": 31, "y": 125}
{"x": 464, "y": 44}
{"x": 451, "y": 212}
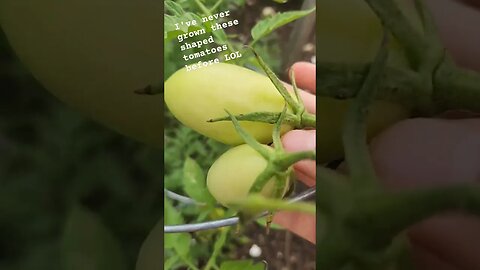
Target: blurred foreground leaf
{"x": 242, "y": 265}
{"x": 150, "y": 254}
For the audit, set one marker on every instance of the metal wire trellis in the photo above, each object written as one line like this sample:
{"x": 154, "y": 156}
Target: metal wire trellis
{"x": 307, "y": 194}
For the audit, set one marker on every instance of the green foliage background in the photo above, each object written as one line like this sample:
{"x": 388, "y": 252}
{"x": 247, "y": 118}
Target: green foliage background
{"x": 52, "y": 158}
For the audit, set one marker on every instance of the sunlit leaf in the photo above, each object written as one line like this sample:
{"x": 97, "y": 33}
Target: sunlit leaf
{"x": 194, "y": 182}
{"x": 266, "y": 26}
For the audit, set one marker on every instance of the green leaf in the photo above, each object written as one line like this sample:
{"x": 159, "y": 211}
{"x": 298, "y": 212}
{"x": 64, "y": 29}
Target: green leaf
{"x": 179, "y": 242}
{"x": 266, "y": 26}
{"x": 217, "y": 247}
{"x": 242, "y": 265}
{"x": 256, "y": 203}
{"x": 170, "y": 262}
{"x": 149, "y": 257}
{"x": 194, "y": 182}
{"x": 178, "y": 15}
{"x": 88, "y": 245}
{"x": 182, "y": 245}
{"x": 172, "y": 217}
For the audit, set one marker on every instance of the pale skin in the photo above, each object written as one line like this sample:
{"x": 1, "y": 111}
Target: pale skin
{"x": 416, "y": 153}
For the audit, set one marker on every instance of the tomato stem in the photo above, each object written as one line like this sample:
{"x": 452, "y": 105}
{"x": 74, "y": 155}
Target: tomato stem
{"x": 393, "y": 18}
{"x": 295, "y": 106}
{"x": 152, "y": 89}
{"x": 403, "y": 209}
{"x": 277, "y": 142}
{"x": 306, "y": 120}
{"x": 255, "y": 203}
{"x": 453, "y": 88}
{"x": 354, "y": 135}
{"x": 285, "y": 160}
{"x": 263, "y": 178}
{"x": 249, "y": 139}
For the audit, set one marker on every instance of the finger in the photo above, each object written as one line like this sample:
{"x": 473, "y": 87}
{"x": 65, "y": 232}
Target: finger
{"x": 301, "y": 224}
{"x": 305, "y": 76}
{"x": 458, "y": 29}
{"x": 307, "y": 179}
{"x": 432, "y": 152}
{"x": 302, "y": 140}
{"x": 425, "y": 259}
{"x": 459, "y": 247}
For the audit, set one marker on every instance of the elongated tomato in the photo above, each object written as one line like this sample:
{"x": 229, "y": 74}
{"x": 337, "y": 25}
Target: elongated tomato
{"x": 92, "y": 55}
{"x": 196, "y": 96}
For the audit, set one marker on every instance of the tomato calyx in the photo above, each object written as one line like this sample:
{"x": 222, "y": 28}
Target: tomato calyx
{"x": 296, "y": 116}
{"x": 279, "y": 167}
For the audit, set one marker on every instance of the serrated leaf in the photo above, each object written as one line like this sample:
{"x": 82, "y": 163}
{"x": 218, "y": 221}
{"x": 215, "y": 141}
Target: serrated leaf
{"x": 178, "y": 15}
{"x": 242, "y": 265}
{"x": 266, "y": 26}
{"x": 149, "y": 257}
{"x": 194, "y": 182}
{"x": 173, "y": 7}
{"x": 88, "y": 245}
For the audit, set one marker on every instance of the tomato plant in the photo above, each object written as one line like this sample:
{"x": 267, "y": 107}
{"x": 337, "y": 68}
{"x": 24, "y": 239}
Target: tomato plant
{"x": 197, "y": 96}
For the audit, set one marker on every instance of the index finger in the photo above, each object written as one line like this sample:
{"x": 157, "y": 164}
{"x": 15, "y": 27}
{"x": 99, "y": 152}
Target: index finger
{"x": 305, "y": 76}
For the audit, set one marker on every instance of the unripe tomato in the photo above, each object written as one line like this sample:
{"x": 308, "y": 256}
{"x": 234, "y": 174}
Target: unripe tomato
{"x": 92, "y": 55}
{"x": 196, "y": 96}
{"x": 349, "y": 31}
{"x": 233, "y": 174}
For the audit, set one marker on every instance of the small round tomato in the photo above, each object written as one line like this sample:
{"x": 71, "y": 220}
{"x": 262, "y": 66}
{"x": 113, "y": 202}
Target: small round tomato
{"x": 233, "y": 174}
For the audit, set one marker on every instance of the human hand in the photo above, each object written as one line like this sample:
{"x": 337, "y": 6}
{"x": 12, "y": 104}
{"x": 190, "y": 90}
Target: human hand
{"x": 413, "y": 153}
{"x": 302, "y": 140}
{"x": 441, "y": 151}
{"x": 432, "y": 152}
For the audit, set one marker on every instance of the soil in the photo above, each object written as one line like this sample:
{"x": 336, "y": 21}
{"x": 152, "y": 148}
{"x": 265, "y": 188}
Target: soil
{"x": 281, "y": 250}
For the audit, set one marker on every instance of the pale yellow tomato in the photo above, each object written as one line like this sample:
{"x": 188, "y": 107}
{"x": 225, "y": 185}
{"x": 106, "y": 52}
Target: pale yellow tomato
{"x": 234, "y": 173}
{"x": 93, "y": 54}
